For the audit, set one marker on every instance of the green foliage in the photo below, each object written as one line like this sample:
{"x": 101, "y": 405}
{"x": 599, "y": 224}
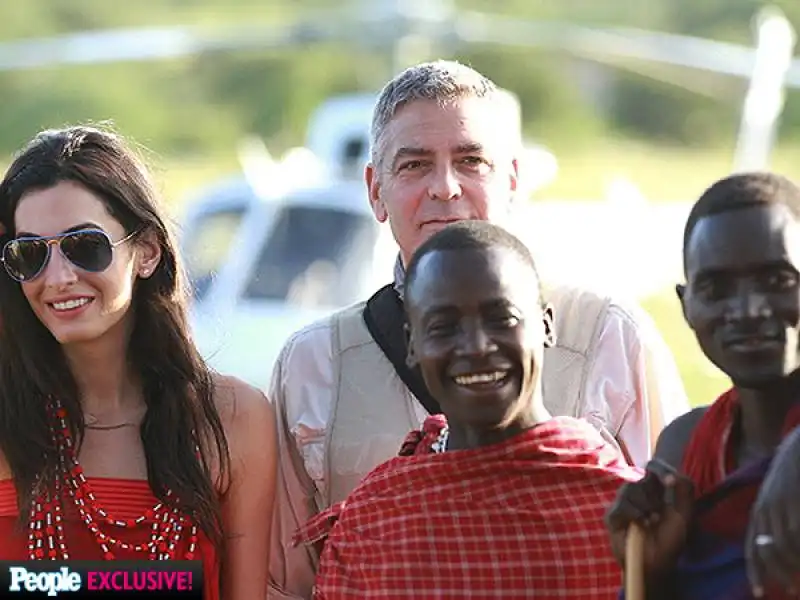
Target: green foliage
{"x": 701, "y": 379}
{"x": 203, "y": 105}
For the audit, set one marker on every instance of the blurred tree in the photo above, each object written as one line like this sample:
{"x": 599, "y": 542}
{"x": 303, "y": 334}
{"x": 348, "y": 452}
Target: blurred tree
{"x": 204, "y": 105}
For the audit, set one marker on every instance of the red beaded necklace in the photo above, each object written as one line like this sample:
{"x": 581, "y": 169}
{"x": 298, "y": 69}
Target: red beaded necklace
{"x": 46, "y": 539}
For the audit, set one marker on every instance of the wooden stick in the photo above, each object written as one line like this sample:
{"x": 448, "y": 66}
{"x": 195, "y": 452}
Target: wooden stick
{"x": 634, "y": 563}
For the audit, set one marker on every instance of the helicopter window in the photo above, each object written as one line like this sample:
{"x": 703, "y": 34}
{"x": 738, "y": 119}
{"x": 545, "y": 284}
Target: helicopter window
{"x": 353, "y": 151}
{"x": 309, "y": 258}
{"x": 206, "y": 250}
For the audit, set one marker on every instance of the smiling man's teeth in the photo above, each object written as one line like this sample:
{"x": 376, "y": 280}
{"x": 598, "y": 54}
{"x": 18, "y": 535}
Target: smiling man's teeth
{"x": 70, "y": 304}
{"x": 480, "y": 378}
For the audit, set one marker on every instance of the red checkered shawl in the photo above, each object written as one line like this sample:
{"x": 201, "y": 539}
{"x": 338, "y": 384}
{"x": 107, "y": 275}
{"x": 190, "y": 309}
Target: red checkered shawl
{"x": 519, "y": 519}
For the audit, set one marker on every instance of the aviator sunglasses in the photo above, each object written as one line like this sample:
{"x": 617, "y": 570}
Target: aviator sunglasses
{"x": 88, "y": 249}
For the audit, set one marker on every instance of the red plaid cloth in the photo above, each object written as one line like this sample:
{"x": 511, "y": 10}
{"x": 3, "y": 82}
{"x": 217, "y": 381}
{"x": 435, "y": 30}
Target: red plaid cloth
{"x": 421, "y": 441}
{"x": 519, "y": 519}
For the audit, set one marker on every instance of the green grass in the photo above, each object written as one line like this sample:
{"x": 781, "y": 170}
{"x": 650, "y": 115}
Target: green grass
{"x": 661, "y": 173}
{"x": 703, "y": 381}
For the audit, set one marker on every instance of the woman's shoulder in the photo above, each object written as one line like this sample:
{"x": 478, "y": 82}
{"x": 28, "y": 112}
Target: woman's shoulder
{"x": 248, "y": 420}
{"x": 239, "y": 404}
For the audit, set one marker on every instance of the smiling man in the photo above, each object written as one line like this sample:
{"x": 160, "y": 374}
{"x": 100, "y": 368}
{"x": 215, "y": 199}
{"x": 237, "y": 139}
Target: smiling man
{"x": 495, "y": 499}
{"x": 742, "y": 300}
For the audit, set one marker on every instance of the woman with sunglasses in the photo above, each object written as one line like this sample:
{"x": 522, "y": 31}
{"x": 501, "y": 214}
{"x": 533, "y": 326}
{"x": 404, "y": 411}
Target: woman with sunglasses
{"x": 116, "y": 441}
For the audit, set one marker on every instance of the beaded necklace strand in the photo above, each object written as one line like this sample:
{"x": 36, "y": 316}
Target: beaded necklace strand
{"x": 46, "y": 539}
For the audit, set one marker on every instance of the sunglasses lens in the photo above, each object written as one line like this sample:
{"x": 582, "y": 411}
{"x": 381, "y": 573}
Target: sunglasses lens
{"x": 24, "y": 259}
{"x": 88, "y": 250}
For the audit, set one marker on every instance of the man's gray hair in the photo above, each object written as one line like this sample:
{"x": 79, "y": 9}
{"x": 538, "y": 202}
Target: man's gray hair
{"x": 442, "y": 81}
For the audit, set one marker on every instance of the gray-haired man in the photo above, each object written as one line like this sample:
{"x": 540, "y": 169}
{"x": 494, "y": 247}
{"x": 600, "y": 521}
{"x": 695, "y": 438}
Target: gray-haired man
{"x": 444, "y": 149}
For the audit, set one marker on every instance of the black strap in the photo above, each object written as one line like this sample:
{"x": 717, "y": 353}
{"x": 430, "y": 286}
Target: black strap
{"x": 385, "y": 318}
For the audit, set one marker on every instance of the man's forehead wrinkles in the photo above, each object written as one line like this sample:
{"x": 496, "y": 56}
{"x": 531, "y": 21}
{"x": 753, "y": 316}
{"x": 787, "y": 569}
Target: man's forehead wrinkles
{"x": 456, "y": 148}
{"x": 413, "y": 151}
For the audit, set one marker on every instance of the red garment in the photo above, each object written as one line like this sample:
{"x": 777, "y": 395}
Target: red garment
{"x": 122, "y": 497}
{"x": 713, "y": 565}
{"x": 519, "y": 519}
{"x": 710, "y": 458}
{"x": 421, "y": 441}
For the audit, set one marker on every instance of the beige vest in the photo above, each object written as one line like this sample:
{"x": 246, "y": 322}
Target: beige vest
{"x": 372, "y": 408}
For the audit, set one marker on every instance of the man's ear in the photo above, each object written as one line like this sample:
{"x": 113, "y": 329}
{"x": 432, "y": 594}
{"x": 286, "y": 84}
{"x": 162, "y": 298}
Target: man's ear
{"x": 372, "y": 180}
{"x": 680, "y": 291}
{"x": 550, "y": 337}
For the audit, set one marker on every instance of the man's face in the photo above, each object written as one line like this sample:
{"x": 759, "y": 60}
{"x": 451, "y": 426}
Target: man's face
{"x": 742, "y": 297}
{"x": 441, "y": 164}
{"x": 478, "y": 333}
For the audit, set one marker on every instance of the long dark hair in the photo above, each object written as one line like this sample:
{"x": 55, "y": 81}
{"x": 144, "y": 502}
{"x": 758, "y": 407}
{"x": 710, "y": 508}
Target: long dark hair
{"x": 178, "y": 386}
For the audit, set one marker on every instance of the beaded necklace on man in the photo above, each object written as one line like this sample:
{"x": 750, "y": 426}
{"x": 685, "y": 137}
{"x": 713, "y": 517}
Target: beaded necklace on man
{"x": 46, "y": 539}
